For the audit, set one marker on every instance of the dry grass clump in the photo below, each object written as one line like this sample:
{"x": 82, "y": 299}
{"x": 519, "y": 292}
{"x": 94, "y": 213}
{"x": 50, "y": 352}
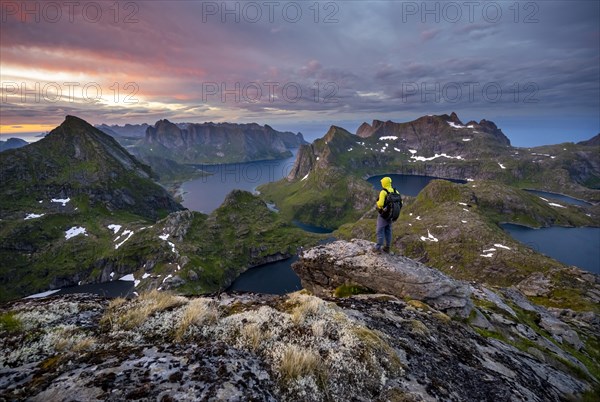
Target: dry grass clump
{"x": 299, "y": 362}
{"x": 116, "y": 303}
{"x": 198, "y": 312}
{"x": 70, "y": 339}
{"x": 252, "y": 336}
{"x": 441, "y": 316}
{"x": 133, "y": 315}
{"x": 306, "y": 307}
{"x": 84, "y": 344}
{"x": 419, "y": 305}
{"x": 318, "y": 328}
{"x": 62, "y": 344}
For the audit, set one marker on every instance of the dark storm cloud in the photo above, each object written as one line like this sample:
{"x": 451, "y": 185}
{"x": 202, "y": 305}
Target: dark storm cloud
{"x": 375, "y": 59}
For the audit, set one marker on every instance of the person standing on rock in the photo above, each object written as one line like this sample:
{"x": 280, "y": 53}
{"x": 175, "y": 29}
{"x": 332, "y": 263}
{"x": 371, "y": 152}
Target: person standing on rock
{"x": 388, "y": 205}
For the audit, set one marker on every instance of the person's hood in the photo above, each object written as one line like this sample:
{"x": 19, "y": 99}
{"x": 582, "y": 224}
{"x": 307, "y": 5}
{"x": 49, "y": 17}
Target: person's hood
{"x": 386, "y": 183}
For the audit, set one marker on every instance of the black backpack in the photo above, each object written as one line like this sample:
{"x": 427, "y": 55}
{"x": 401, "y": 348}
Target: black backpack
{"x": 392, "y": 205}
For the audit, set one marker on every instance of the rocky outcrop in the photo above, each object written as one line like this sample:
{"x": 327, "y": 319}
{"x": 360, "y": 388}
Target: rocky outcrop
{"x": 305, "y": 160}
{"x": 324, "y": 268}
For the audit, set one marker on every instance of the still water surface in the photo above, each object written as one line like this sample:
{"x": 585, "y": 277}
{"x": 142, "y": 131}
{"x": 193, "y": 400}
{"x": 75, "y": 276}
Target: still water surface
{"x": 205, "y": 194}
{"x": 572, "y": 246}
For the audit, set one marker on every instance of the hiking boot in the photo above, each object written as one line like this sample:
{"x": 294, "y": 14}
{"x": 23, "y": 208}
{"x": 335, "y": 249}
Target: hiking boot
{"x": 386, "y": 249}
{"x": 376, "y": 250}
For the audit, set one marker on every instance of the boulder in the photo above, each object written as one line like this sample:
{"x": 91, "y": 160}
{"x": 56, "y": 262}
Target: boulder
{"x": 326, "y": 267}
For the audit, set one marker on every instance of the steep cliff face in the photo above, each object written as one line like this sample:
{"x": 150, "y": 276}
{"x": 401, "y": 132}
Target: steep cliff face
{"x": 323, "y": 153}
{"x": 216, "y": 142}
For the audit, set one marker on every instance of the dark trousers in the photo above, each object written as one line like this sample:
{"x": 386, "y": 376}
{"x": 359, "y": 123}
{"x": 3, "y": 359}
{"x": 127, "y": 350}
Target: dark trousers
{"x": 384, "y": 230}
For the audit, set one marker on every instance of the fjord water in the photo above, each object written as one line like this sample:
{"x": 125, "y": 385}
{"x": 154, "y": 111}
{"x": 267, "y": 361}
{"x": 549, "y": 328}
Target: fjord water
{"x": 571, "y": 246}
{"x": 206, "y": 193}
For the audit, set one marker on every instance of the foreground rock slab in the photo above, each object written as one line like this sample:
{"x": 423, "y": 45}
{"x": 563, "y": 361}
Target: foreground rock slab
{"x": 248, "y": 347}
{"x": 324, "y": 268}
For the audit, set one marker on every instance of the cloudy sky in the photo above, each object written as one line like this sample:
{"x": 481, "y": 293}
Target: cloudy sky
{"x": 532, "y": 67}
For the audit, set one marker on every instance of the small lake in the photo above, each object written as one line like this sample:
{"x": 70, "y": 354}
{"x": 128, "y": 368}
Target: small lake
{"x": 407, "y": 184}
{"x": 312, "y": 228}
{"x": 559, "y": 197}
{"x": 111, "y": 289}
{"x": 572, "y": 246}
{"x": 206, "y": 193}
{"x": 274, "y": 278}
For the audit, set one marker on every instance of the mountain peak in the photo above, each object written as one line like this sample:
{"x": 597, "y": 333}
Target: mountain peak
{"x": 454, "y": 118}
{"x": 335, "y": 131}
{"x": 77, "y": 159}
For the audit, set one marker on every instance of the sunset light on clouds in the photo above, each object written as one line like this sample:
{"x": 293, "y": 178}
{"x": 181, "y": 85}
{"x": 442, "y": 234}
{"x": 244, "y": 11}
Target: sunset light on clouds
{"x": 532, "y": 67}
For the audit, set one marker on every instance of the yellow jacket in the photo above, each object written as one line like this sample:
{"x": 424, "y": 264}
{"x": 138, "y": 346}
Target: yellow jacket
{"x": 386, "y": 183}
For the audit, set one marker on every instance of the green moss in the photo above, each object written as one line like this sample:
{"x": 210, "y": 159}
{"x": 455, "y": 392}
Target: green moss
{"x": 350, "y": 290}
{"x": 591, "y": 395}
{"x": 490, "y": 334}
{"x": 564, "y": 297}
{"x": 375, "y": 345}
{"x": 10, "y": 323}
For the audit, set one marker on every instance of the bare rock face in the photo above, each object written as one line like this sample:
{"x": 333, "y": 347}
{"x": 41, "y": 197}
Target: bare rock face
{"x": 327, "y": 267}
{"x": 535, "y": 285}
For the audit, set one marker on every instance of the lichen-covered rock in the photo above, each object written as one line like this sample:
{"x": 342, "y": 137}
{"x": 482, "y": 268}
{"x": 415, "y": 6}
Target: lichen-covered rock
{"x": 295, "y": 347}
{"x": 324, "y": 268}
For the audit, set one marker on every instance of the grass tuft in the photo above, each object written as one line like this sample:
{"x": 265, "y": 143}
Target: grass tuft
{"x": 299, "y": 362}
{"x": 307, "y": 307}
{"x": 198, "y": 312}
{"x": 253, "y": 336}
{"x": 130, "y": 316}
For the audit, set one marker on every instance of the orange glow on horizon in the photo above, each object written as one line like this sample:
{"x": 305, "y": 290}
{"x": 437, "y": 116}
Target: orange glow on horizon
{"x": 7, "y": 129}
